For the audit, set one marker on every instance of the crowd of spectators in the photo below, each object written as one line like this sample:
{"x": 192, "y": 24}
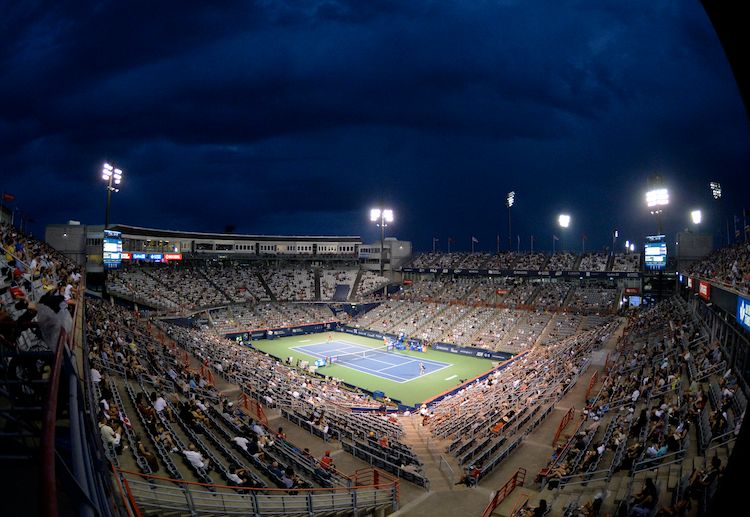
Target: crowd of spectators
{"x": 38, "y": 287}
{"x": 268, "y": 316}
{"x": 370, "y": 282}
{"x": 730, "y": 266}
{"x": 626, "y": 262}
{"x": 595, "y": 261}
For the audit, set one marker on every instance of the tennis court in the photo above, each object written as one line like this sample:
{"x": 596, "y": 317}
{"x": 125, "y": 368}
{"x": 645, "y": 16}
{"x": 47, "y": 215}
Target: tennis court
{"x": 401, "y": 383}
{"x": 391, "y": 365}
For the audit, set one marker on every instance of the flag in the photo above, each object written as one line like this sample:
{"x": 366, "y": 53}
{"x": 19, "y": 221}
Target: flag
{"x": 736, "y": 230}
{"x": 474, "y": 239}
{"x": 555, "y": 238}
{"x": 8, "y": 198}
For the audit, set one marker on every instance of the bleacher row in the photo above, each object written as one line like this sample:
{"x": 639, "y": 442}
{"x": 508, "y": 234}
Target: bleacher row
{"x": 533, "y": 261}
{"x": 186, "y": 287}
{"x": 505, "y": 329}
{"x": 651, "y": 418}
{"x": 486, "y": 416}
{"x": 195, "y": 416}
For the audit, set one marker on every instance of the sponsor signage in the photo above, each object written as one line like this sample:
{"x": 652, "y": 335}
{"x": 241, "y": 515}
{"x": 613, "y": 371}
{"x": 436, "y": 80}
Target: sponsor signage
{"x": 155, "y": 256}
{"x": 631, "y": 290}
{"x": 125, "y": 256}
{"x": 173, "y": 256}
{"x": 743, "y": 312}
{"x": 704, "y": 290}
{"x": 139, "y": 256}
{"x": 526, "y": 273}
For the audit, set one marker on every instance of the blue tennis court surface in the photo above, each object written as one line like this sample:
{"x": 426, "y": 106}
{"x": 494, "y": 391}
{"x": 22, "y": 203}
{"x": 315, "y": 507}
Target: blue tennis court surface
{"x": 393, "y": 365}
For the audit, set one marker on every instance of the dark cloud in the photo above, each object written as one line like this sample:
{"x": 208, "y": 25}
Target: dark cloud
{"x": 295, "y": 117}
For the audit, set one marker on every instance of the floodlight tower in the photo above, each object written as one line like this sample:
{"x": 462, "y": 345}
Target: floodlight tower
{"x": 509, "y": 200}
{"x": 715, "y": 187}
{"x": 696, "y": 216}
{"x": 657, "y": 197}
{"x": 381, "y": 217}
{"x": 113, "y": 177}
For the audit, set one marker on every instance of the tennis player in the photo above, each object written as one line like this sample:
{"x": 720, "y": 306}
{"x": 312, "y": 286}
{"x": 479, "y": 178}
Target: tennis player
{"x": 422, "y": 369}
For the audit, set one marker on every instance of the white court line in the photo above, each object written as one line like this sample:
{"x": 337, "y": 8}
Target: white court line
{"x": 305, "y": 340}
{"x": 451, "y": 377}
{"x": 377, "y": 373}
{"x": 425, "y": 361}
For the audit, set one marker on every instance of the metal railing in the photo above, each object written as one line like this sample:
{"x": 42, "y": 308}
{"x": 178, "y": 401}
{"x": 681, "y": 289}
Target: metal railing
{"x": 515, "y": 480}
{"x": 373, "y": 489}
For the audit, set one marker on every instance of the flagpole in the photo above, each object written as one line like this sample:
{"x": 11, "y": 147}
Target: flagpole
{"x": 532, "y": 244}
{"x": 472, "y": 244}
{"x": 498, "y": 243}
{"x": 583, "y": 244}
{"x": 553, "y": 244}
{"x": 518, "y": 240}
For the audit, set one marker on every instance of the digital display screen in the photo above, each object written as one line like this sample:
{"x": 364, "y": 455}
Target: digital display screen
{"x": 634, "y": 301}
{"x": 655, "y": 253}
{"x": 112, "y": 249}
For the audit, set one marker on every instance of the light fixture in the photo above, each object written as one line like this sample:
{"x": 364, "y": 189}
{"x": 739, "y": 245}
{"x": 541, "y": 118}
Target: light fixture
{"x": 511, "y": 197}
{"x": 657, "y": 197}
{"x": 563, "y": 220}
{"x": 715, "y": 189}
{"x": 696, "y": 216}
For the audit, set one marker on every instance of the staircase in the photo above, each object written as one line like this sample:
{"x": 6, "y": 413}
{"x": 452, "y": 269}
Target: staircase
{"x": 429, "y": 450}
{"x": 355, "y": 286}
{"x": 316, "y": 287}
{"x": 534, "y": 294}
{"x": 215, "y": 285}
{"x": 265, "y": 287}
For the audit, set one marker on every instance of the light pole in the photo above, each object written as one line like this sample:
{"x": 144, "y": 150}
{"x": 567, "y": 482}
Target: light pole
{"x": 564, "y": 221}
{"x": 511, "y": 197}
{"x": 381, "y": 216}
{"x": 113, "y": 177}
{"x": 715, "y": 187}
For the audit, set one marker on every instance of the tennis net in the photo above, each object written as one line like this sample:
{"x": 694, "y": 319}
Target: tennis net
{"x": 353, "y": 357}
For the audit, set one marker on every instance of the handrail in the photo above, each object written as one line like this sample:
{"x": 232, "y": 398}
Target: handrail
{"x": 515, "y": 480}
{"x": 390, "y": 482}
{"x": 47, "y": 439}
{"x": 567, "y": 417}
{"x": 592, "y": 383}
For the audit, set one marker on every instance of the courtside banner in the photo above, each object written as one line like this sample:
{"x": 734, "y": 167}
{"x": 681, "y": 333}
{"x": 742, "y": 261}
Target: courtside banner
{"x": 743, "y": 312}
{"x": 704, "y": 290}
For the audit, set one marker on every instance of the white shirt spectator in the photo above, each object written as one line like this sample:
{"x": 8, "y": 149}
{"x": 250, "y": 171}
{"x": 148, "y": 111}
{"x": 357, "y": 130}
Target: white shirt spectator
{"x": 195, "y": 458}
{"x": 241, "y": 441}
{"x": 95, "y": 375}
{"x": 160, "y": 404}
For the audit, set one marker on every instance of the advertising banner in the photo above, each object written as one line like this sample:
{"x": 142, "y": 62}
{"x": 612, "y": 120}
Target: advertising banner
{"x": 743, "y": 312}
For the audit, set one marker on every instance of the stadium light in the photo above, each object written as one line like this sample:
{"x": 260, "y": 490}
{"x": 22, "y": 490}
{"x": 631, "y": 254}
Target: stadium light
{"x": 696, "y": 216}
{"x": 715, "y": 189}
{"x": 113, "y": 176}
{"x": 563, "y": 220}
{"x": 510, "y": 198}
{"x": 381, "y": 216}
{"x": 632, "y": 247}
{"x": 657, "y": 197}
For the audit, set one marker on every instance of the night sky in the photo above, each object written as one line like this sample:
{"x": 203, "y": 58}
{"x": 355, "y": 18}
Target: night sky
{"x": 295, "y": 117}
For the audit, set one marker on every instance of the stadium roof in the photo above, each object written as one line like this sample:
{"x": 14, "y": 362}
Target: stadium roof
{"x": 180, "y": 234}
